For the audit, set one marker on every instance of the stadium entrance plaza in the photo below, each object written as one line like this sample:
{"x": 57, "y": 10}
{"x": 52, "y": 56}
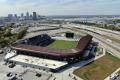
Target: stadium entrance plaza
{"x": 46, "y": 63}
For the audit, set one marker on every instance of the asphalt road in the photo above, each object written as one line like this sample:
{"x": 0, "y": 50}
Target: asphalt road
{"x": 115, "y": 49}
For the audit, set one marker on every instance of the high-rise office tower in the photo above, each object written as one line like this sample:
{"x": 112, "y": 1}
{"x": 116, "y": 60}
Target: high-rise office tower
{"x": 15, "y": 16}
{"x": 34, "y": 16}
{"x": 27, "y": 15}
{"x": 10, "y": 16}
{"x": 22, "y": 15}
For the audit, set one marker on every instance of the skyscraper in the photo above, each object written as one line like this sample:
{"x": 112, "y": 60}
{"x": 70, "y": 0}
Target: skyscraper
{"x": 34, "y": 16}
{"x": 27, "y": 15}
{"x": 10, "y": 16}
{"x": 22, "y": 15}
{"x": 15, "y": 16}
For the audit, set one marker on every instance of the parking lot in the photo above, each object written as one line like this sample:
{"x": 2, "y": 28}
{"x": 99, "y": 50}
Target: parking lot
{"x": 20, "y": 72}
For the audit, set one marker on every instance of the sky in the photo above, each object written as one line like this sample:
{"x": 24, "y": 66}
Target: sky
{"x": 60, "y": 7}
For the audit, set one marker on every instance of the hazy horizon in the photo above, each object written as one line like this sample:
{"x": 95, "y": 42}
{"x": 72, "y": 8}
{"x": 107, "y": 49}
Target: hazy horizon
{"x": 60, "y": 7}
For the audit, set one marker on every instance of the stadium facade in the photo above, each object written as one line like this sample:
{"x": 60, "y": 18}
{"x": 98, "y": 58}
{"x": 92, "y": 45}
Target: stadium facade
{"x": 36, "y": 47}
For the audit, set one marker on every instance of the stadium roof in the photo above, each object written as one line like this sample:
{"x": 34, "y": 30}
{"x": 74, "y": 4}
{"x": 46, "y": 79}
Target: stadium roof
{"x": 82, "y": 44}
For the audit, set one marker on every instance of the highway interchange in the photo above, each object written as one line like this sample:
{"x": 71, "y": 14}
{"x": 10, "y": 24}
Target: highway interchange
{"x": 97, "y": 33}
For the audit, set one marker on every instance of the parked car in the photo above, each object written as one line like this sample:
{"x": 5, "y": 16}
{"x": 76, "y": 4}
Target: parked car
{"x": 38, "y": 75}
{"x": 11, "y": 65}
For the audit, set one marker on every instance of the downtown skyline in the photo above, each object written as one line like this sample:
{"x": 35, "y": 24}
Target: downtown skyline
{"x": 60, "y": 7}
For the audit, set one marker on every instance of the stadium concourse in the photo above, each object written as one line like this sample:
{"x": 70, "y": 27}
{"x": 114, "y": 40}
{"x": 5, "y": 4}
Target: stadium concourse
{"x": 34, "y": 53}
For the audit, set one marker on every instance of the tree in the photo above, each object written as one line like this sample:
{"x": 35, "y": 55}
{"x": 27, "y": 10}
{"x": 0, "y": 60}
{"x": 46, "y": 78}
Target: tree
{"x": 22, "y": 33}
{"x": 7, "y": 32}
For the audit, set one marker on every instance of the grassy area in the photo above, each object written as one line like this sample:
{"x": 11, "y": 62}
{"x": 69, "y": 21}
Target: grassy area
{"x": 99, "y": 69}
{"x": 99, "y": 51}
{"x": 61, "y": 44}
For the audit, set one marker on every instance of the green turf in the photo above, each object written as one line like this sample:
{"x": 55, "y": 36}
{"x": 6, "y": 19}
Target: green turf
{"x": 99, "y": 69}
{"x": 61, "y": 44}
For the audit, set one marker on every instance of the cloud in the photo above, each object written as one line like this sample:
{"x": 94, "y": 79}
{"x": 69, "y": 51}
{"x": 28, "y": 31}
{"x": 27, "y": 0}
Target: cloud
{"x": 60, "y": 7}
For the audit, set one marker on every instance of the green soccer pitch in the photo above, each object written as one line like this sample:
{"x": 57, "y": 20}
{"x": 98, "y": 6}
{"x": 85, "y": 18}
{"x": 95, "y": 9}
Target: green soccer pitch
{"x": 62, "y": 44}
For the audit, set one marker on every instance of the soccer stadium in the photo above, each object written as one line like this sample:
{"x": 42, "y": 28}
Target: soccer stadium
{"x": 46, "y": 52}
